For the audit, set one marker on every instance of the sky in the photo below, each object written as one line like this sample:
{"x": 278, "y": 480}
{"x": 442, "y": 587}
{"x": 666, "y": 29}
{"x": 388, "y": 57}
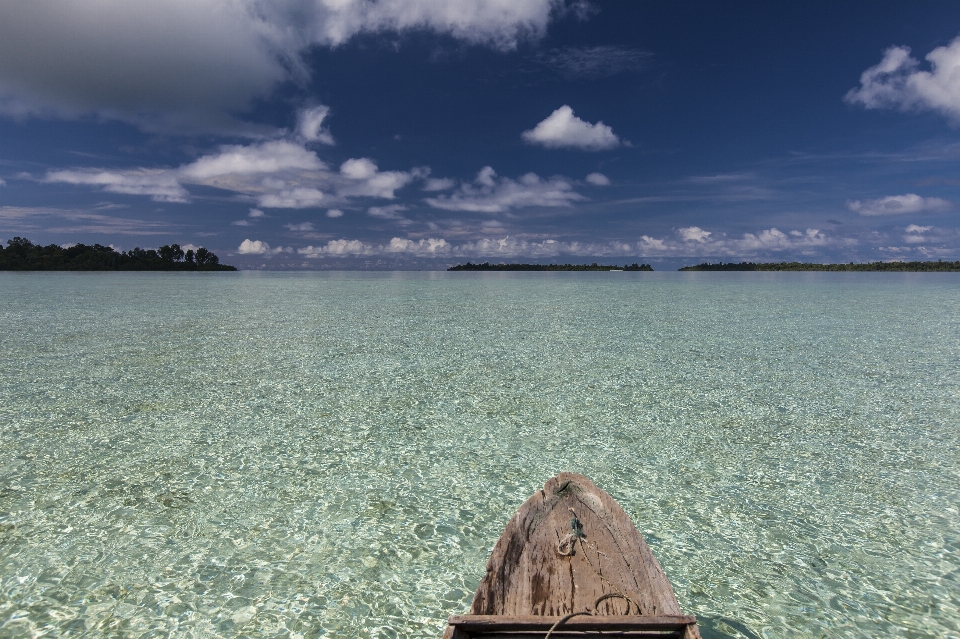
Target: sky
{"x": 418, "y": 134}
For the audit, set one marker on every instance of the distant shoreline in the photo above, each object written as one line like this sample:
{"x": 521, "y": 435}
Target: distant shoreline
{"x": 23, "y": 255}
{"x": 902, "y": 267}
{"x": 486, "y": 266}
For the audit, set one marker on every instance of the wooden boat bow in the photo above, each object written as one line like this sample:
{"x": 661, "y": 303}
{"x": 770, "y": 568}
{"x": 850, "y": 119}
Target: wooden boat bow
{"x": 569, "y": 562}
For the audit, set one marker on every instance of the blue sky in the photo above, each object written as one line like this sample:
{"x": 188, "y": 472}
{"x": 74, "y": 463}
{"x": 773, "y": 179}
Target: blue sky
{"x": 419, "y": 133}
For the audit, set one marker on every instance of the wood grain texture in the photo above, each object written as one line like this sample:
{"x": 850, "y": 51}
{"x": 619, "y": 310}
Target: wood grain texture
{"x": 527, "y": 576}
{"x": 530, "y": 582}
{"x": 504, "y": 627}
{"x": 506, "y": 623}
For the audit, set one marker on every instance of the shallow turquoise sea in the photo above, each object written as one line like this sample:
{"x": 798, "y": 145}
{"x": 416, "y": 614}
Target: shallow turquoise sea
{"x": 335, "y": 454}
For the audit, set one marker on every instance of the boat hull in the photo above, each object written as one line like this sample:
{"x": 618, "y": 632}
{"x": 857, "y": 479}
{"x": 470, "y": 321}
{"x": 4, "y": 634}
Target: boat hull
{"x": 571, "y": 558}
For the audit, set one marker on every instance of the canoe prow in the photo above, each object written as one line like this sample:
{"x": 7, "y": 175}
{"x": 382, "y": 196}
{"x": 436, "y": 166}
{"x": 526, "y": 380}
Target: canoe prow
{"x": 571, "y": 560}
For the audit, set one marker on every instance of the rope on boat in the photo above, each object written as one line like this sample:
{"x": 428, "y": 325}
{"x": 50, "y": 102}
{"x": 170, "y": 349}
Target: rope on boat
{"x": 590, "y": 613}
{"x": 565, "y": 548}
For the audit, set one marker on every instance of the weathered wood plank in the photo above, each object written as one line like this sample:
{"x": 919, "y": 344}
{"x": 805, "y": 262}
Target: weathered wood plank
{"x": 526, "y": 575}
{"x": 488, "y": 623}
{"x": 561, "y": 634}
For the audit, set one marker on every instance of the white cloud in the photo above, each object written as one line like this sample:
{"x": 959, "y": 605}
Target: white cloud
{"x": 429, "y": 247}
{"x": 3, "y": 182}
{"x": 915, "y": 234}
{"x": 896, "y": 82}
{"x": 241, "y": 223}
{"x": 303, "y": 226}
{"x": 255, "y": 213}
{"x": 652, "y": 245}
{"x": 499, "y": 248}
{"x": 490, "y": 195}
{"x": 358, "y": 169}
{"x": 296, "y": 198}
{"x": 310, "y": 125}
{"x": 694, "y": 234}
{"x": 563, "y": 129}
{"x": 364, "y": 179}
{"x": 390, "y": 212}
{"x": 334, "y": 213}
{"x": 767, "y": 244}
{"x": 598, "y": 179}
{"x": 439, "y": 184}
{"x": 275, "y": 174}
{"x": 338, "y": 248}
{"x": 266, "y": 157}
{"x": 256, "y": 247}
{"x": 898, "y": 204}
{"x": 160, "y": 184}
{"x": 166, "y": 64}
{"x": 694, "y": 241}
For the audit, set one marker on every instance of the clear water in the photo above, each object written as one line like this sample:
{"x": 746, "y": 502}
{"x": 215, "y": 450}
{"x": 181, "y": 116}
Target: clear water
{"x": 307, "y": 455}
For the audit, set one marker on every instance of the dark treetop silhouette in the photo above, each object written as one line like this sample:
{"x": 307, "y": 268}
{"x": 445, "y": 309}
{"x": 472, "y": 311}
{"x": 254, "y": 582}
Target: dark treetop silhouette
{"x": 800, "y": 266}
{"x": 23, "y": 255}
{"x": 486, "y": 266}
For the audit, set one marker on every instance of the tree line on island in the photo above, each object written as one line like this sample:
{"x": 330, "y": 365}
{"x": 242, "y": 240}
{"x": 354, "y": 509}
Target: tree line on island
{"x": 23, "y": 255}
{"x": 487, "y": 266}
{"x": 938, "y": 266}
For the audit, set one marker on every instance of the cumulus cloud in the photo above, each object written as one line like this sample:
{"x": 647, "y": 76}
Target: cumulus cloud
{"x": 898, "y": 205}
{"x": 274, "y": 173}
{"x": 365, "y": 179}
{"x": 563, "y": 129}
{"x": 427, "y": 247}
{"x": 256, "y": 247}
{"x": 310, "y": 125}
{"x": 770, "y": 243}
{"x": 695, "y": 241}
{"x": 489, "y": 248}
{"x": 397, "y": 246}
{"x": 694, "y": 234}
{"x": 598, "y": 179}
{"x": 255, "y": 213}
{"x": 915, "y": 234}
{"x": 334, "y": 213}
{"x": 167, "y": 64}
{"x": 897, "y": 82}
{"x": 358, "y": 168}
{"x": 266, "y": 157}
{"x": 491, "y": 195}
{"x": 338, "y": 248}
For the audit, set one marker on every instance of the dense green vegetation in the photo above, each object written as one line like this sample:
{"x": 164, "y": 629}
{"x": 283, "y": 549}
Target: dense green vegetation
{"x": 23, "y": 255}
{"x": 486, "y": 266}
{"x": 938, "y": 266}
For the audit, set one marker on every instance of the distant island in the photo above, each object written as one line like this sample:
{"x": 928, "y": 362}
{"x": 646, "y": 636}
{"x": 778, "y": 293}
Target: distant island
{"x": 938, "y": 266}
{"x": 487, "y": 266}
{"x": 23, "y": 255}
